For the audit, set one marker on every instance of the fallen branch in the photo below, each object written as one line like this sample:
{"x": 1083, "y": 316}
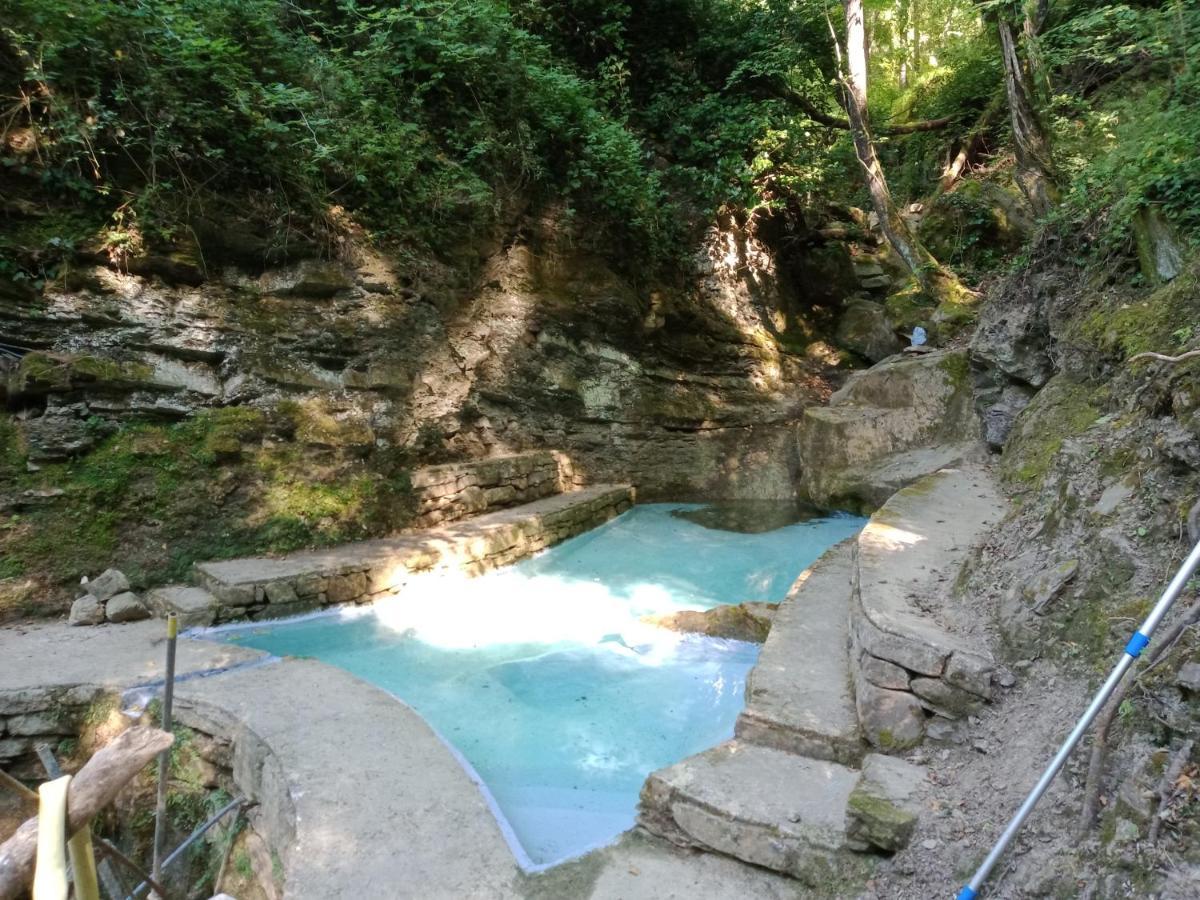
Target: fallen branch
{"x": 1091, "y": 791}
{"x": 113, "y": 853}
{"x": 1166, "y": 787}
{"x": 95, "y": 787}
{"x": 1191, "y": 354}
{"x": 821, "y": 117}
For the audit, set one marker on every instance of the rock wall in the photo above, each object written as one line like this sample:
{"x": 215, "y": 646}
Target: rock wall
{"x": 39, "y": 716}
{"x": 684, "y": 389}
{"x": 455, "y": 490}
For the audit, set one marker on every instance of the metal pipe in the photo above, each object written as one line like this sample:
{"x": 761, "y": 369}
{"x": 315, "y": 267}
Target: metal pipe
{"x": 164, "y": 759}
{"x": 1133, "y": 650}
{"x": 192, "y": 838}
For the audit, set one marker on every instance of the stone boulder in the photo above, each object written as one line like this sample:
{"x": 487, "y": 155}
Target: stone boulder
{"x": 891, "y": 720}
{"x": 865, "y": 329}
{"x": 1159, "y": 250}
{"x": 888, "y": 426}
{"x": 883, "y": 808}
{"x": 108, "y": 584}
{"x": 126, "y": 607}
{"x": 87, "y": 610}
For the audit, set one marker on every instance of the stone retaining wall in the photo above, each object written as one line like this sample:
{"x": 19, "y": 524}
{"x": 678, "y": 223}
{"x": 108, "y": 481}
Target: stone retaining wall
{"x": 906, "y": 667}
{"x": 457, "y": 490}
{"x": 372, "y": 570}
{"x": 33, "y": 716}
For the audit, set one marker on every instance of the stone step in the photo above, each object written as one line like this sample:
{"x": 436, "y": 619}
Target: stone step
{"x": 910, "y": 657}
{"x": 808, "y": 818}
{"x": 798, "y": 696}
{"x": 193, "y": 606}
{"x": 272, "y": 587}
{"x": 757, "y": 804}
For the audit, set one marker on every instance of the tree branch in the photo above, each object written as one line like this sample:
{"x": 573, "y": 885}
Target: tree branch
{"x": 1191, "y": 354}
{"x": 98, "y": 782}
{"x": 811, "y": 110}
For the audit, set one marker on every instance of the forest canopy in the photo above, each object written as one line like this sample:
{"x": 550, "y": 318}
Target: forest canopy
{"x": 431, "y": 120}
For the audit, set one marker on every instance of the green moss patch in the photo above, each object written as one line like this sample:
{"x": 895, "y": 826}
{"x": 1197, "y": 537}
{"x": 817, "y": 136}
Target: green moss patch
{"x": 1061, "y": 410}
{"x": 1165, "y": 320}
{"x": 154, "y": 498}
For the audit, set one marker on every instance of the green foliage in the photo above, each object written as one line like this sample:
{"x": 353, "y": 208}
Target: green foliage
{"x": 426, "y": 117}
{"x": 1133, "y": 142}
{"x": 164, "y": 496}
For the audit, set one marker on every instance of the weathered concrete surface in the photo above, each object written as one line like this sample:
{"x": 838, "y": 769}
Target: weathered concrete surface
{"x": 55, "y": 656}
{"x": 913, "y": 547}
{"x": 51, "y": 674}
{"x": 366, "y": 570}
{"x": 798, "y": 696}
{"x": 358, "y": 796}
{"x": 763, "y": 806}
{"x": 851, "y": 450}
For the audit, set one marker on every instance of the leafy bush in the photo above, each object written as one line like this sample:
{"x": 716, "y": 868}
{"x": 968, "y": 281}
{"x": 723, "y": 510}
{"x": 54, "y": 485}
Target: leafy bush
{"x": 426, "y": 118}
{"x": 1133, "y": 142}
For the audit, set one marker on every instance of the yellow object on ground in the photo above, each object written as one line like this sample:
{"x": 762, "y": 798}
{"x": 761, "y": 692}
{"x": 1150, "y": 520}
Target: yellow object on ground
{"x": 83, "y": 865}
{"x": 50, "y": 873}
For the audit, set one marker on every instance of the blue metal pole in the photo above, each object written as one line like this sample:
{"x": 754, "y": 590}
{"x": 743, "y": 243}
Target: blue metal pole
{"x": 1133, "y": 650}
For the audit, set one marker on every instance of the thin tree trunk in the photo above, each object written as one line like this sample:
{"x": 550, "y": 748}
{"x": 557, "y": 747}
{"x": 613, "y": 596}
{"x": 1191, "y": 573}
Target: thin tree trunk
{"x": 1035, "y": 170}
{"x": 918, "y": 260}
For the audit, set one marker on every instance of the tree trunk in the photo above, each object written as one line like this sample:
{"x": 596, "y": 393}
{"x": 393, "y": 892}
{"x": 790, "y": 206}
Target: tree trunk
{"x": 918, "y": 260}
{"x": 1035, "y": 169}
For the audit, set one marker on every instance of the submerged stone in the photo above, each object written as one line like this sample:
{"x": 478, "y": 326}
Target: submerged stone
{"x": 750, "y": 516}
{"x": 743, "y": 622}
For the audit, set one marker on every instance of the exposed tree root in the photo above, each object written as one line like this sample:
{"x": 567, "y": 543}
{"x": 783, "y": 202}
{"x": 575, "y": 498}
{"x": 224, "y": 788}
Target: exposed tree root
{"x": 1091, "y": 792}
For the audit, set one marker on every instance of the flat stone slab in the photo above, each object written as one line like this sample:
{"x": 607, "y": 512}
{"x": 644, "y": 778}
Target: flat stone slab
{"x": 193, "y": 606}
{"x": 358, "y": 796}
{"x": 55, "y": 656}
{"x": 913, "y": 547}
{"x": 757, "y": 804}
{"x": 358, "y": 571}
{"x": 642, "y": 867}
{"x": 798, "y": 696}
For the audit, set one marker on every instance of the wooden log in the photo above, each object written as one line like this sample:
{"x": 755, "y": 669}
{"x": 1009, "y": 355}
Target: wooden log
{"x": 95, "y": 787}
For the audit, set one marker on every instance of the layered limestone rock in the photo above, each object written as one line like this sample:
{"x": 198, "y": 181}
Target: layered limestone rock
{"x": 684, "y": 390}
{"x": 896, "y": 422}
{"x": 456, "y": 490}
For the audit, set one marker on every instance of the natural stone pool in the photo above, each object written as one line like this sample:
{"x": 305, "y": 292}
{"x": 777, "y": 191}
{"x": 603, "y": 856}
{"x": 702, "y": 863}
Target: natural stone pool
{"x": 542, "y": 675}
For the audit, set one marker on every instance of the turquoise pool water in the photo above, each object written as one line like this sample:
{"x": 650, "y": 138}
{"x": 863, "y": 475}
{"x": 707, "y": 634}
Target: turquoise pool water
{"x": 542, "y": 676}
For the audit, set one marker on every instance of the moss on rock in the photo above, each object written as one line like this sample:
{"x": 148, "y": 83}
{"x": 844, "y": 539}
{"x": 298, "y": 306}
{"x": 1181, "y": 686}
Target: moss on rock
{"x": 1062, "y": 409}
